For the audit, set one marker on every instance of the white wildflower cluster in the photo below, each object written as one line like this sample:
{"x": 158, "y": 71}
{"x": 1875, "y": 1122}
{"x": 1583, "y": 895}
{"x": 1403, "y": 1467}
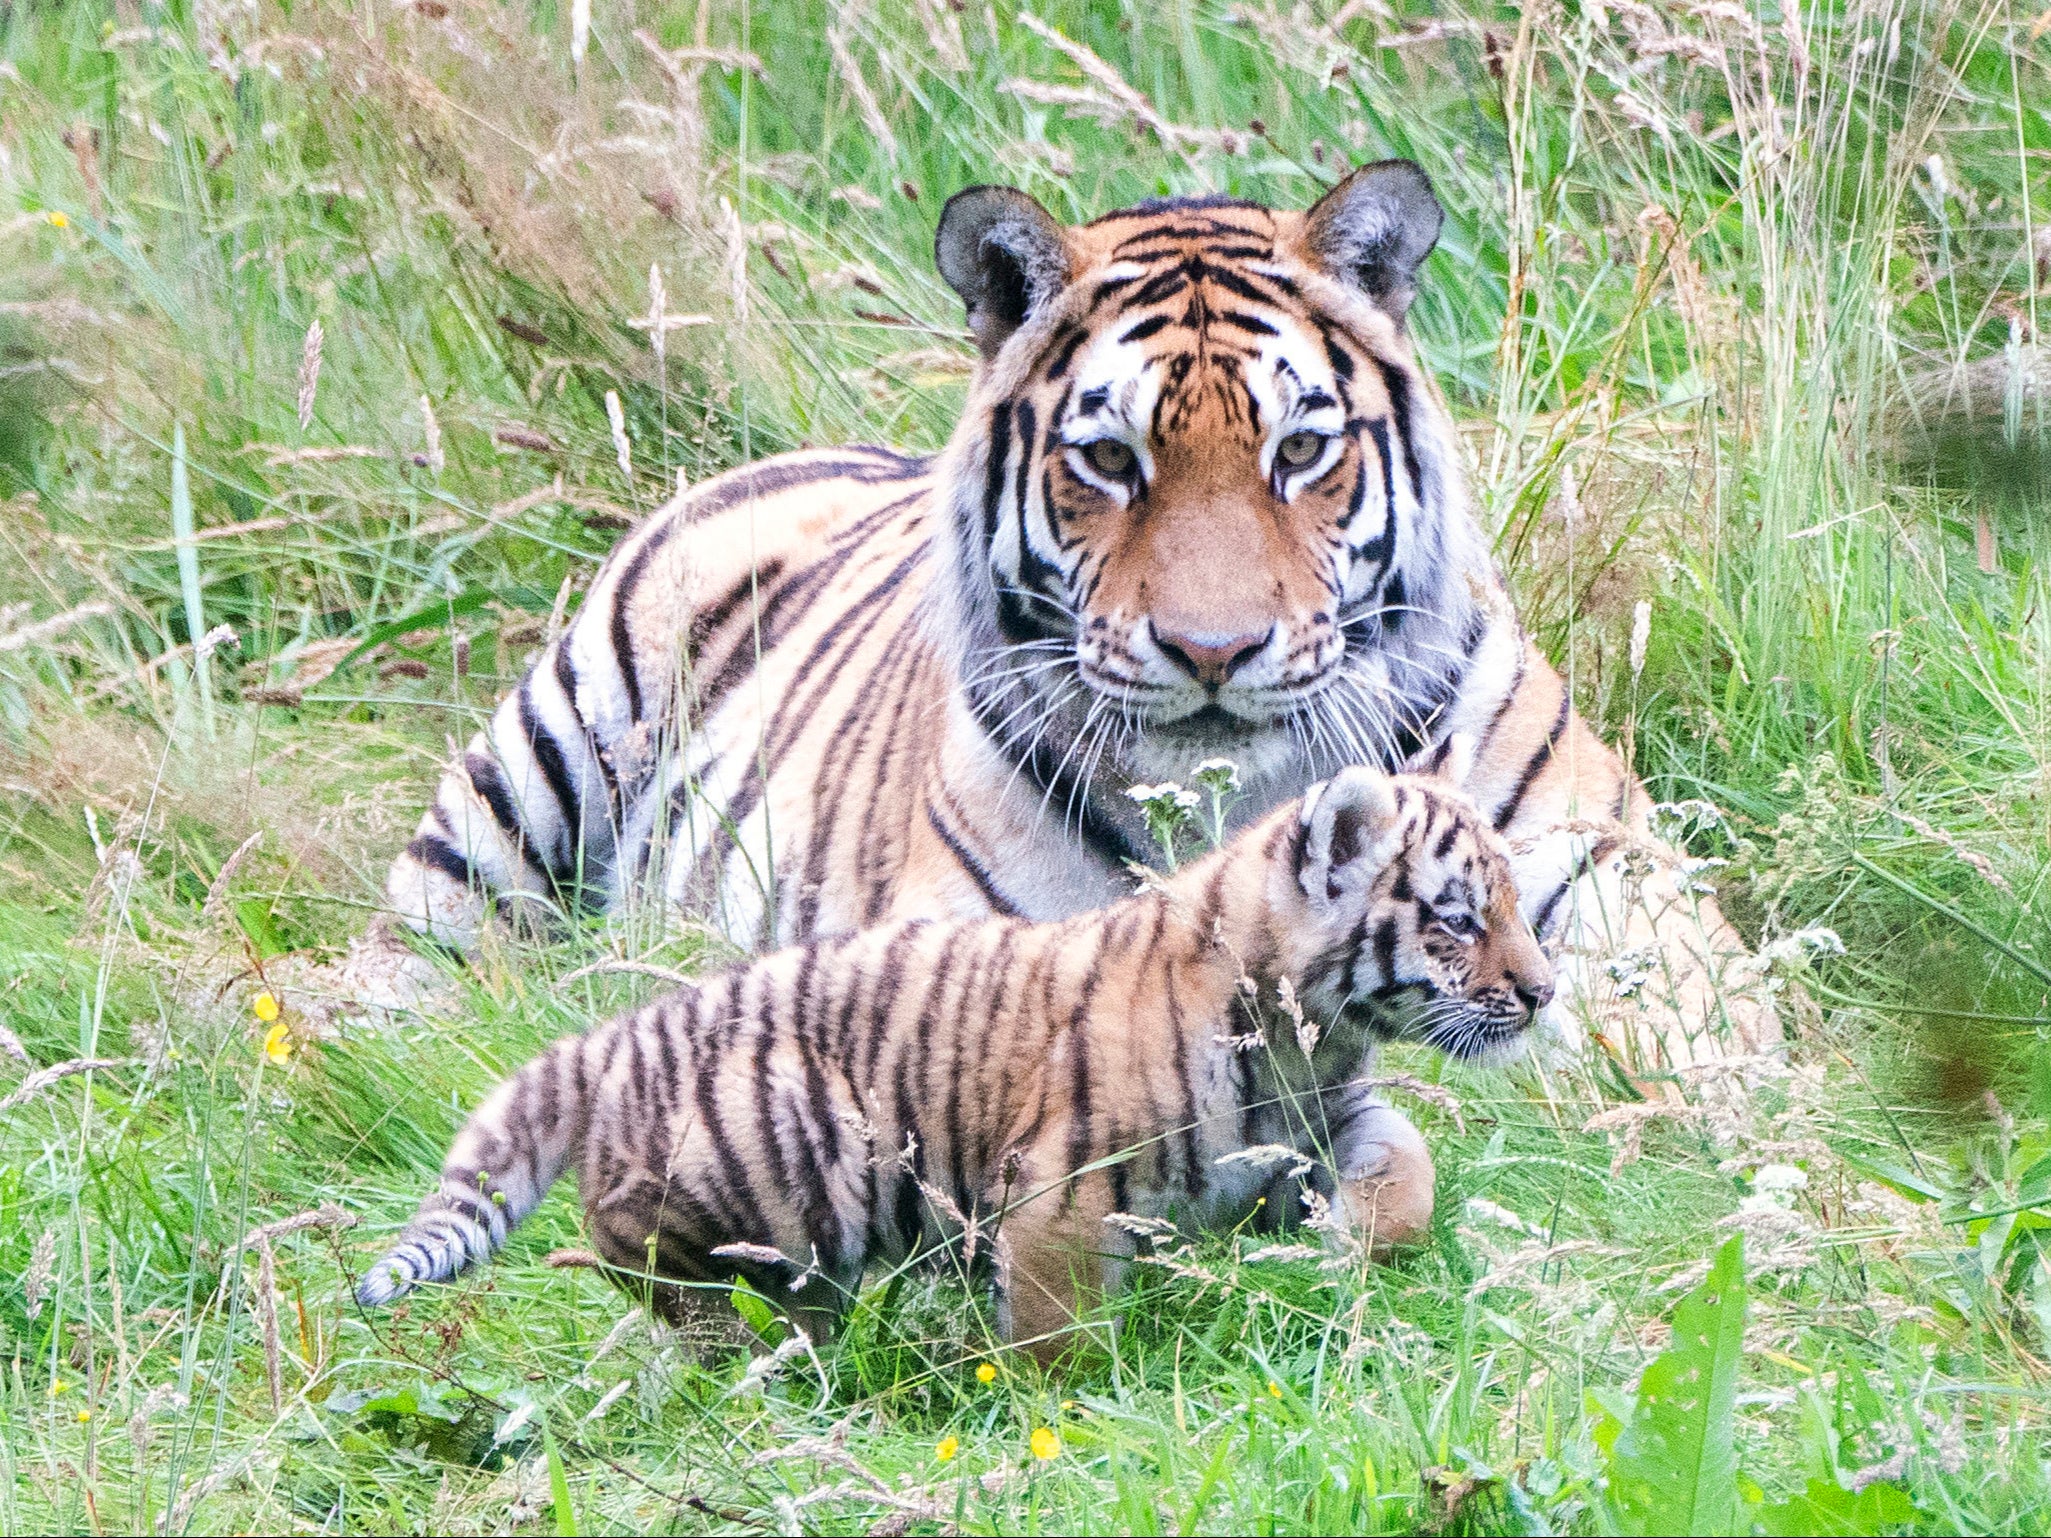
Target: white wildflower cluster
{"x": 1167, "y": 796}
{"x": 1169, "y": 811}
{"x": 1673, "y": 821}
{"x": 1630, "y": 970}
{"x": 1219, "y": 776}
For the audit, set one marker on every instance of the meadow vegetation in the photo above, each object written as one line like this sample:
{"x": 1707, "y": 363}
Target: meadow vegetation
{"x": 340, "y": 339}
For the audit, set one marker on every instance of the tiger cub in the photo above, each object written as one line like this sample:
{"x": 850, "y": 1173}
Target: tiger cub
{"x": 864, "y": 1096}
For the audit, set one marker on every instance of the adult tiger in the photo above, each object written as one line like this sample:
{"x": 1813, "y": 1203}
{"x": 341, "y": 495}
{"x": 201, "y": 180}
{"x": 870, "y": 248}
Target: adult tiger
{"x": 1202, "y": 502}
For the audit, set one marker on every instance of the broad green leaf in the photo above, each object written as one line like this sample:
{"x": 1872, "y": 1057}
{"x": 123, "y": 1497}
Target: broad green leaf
{"x": 1903, "y": 1182}
{"x": 253, "y": 915}
{"x": 755, "y": 1309}
{"x": 1827, "y": 1507}
{"x": 1672, "y": 1464}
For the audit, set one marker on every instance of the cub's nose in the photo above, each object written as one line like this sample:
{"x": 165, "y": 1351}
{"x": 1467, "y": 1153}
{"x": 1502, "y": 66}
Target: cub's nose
{"x": 1209, "y": 658}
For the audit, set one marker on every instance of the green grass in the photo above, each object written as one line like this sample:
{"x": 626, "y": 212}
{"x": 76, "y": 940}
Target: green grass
{"x": 1700, "y": 275}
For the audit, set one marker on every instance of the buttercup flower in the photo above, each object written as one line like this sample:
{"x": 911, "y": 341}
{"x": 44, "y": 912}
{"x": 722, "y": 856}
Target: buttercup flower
{"x": 986, "y": 1373}
{"x": 1274, "y": 1389}
{"x": 1045, "y": 1443}
{"x": 277, "y": 1043}
{"x": 948, "y": 1447}
{"x": 266, "y": 1006}
{"x": 57, "y": 218}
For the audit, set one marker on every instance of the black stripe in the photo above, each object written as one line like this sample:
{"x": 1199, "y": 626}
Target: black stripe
{"x": 431, "y": 849}
{"x": 491, "y": 789}
{"x": 622, "y": 633}
{"x": 1065, "y": 344}
{"x": 1080, "y": 1142}
{"x": 1382, "y": 548}
{"x": 548, "y": 753}
{"x": 1397, "y": 383}
{"x": 1533, "y": 766}
{"x": 1244, "y": 322}
{"x": 1162, "y": 285}
{"x": 768, "y": 480}
{"x": 978, "y": 872}
{"x": 1146, "y": 328}
{"x": 1234, "y": 283}
{"x": 993, "y": 483}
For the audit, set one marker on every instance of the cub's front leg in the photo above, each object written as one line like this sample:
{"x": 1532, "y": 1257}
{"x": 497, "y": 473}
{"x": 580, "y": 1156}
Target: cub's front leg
{"x": 1057, "y": 1260}
{"x": 1386, "y": 1178}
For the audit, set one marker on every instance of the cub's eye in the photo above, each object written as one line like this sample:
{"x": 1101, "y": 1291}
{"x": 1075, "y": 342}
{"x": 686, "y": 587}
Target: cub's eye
{"x": 1300, "y": 449}
{"x": 1109, "y": 457}
{"x": 1460, "y": 924}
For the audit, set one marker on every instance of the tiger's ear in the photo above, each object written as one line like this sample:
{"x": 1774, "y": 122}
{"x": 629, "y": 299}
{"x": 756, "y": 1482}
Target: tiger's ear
{"x": 1343, "y": 820}
{"x": 1375, "y": 229}
{"x": 1004, "y": 254}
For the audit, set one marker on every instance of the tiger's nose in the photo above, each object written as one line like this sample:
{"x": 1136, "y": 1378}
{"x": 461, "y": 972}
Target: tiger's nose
{"x": 1210, "y": 659}
{"x": 1534, "y": 994}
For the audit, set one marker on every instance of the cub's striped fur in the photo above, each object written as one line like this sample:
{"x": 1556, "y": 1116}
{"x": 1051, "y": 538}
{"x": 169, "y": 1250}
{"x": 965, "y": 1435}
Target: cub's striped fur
{"x": 1203, "y": 501}
{"x": 862, "y": 1097}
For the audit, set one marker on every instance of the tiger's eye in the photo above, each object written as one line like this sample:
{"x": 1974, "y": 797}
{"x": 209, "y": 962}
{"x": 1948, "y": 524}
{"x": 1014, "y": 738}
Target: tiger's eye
{"x": 1299, "y": 449}
{"x": 1107, "y": 456}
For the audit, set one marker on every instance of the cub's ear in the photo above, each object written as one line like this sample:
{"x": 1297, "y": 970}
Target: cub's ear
{"x": 1375, "y": 229}
{"x": 1342, "y": 820}
{"x": 1004, "y": 254}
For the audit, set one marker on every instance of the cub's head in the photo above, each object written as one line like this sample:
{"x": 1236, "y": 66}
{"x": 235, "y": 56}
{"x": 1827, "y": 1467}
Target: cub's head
{"x": 1204, "y": 500}
{"x": 1407, "y": 914}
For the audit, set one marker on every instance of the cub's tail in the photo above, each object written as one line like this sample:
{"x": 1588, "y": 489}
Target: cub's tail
{"x": 513, "y": 1148}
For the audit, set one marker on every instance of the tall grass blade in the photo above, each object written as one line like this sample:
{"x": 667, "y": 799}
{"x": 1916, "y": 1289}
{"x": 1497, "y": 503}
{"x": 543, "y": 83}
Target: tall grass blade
{"x": 188, "y": 575}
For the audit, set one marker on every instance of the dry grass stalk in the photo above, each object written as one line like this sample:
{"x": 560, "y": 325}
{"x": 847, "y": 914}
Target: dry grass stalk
{"x": 41, "y": 1080}
{"x": 1114, "y": 100}
{"x": 431, "y": 428}
{"x": 1972, "y": 857}
{"x": 943, "y": 35}
{"x": 35, "y": 1281}
{"x": 327, "y": 1216}
{"x": 838, "y": 32}
{"x": 10, "y": 1044}
{"x": 514, "y": 436}
{"x": 42, "y": 630}
{"x": 640, "y": 968}
{"x": 315, "y": 663}
{"x": 267, "y": 1320}
{"x": 622, "y": 445}
{"x": 309, "y": 373}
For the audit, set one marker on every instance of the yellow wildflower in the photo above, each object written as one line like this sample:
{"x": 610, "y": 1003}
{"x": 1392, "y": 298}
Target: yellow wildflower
{"x": 58, "y": 1385}
{"x": 1274, "y": 1389}
{"x": 266, "y": 1006}
{"x": 57, "y": 218}
{"x": 948, "y": 1447}
{"x": 987, "y": 1373}
{"x": 84, "y": 1416}
{"x": 277, "y": 1043}
{"x": 1045, "y": 1443}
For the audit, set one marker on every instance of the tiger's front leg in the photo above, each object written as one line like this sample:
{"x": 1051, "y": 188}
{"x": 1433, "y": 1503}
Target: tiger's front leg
{"x": 1057, "y": 1260}
{"x": 1386, "y": 1181}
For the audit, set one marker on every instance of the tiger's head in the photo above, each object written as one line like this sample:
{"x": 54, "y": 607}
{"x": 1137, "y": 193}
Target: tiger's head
{"x": 1204, "y": 501}
{"x": 1393, "y": 903}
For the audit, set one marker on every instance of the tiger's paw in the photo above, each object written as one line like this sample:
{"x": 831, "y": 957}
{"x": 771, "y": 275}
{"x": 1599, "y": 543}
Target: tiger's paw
{"x": 1387, "y": 1184}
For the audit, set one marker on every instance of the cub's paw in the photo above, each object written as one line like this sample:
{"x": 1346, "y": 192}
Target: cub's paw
{"x": 1387, "y": 1186}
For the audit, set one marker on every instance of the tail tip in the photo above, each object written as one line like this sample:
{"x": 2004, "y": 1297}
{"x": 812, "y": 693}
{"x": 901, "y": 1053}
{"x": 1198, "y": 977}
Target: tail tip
{"x": 381, "y": 1285}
